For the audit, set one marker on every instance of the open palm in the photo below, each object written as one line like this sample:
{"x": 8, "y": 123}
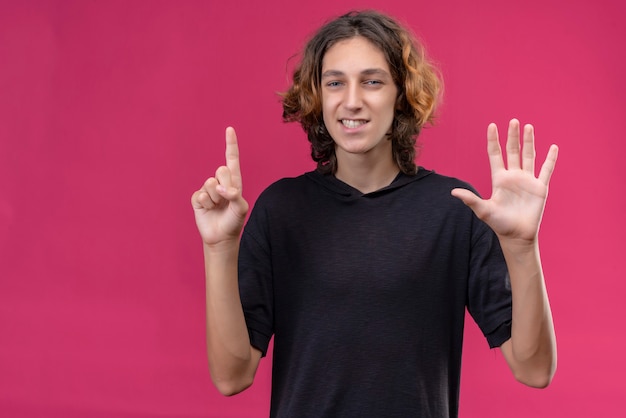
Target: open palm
{"x": 518, "y": 198}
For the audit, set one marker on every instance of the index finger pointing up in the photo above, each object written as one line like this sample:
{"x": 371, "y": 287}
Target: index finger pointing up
{"x": 232, "y": 157}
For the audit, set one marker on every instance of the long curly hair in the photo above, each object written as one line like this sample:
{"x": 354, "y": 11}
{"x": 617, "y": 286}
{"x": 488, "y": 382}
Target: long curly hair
{"x": 418, "y": 81}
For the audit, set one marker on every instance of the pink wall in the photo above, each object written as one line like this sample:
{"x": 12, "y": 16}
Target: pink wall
{"x": 112, "y": 113}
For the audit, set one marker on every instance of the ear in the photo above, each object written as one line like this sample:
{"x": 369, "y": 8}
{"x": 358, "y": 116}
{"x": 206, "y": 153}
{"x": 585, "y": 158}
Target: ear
{"x": 400, "y": 101}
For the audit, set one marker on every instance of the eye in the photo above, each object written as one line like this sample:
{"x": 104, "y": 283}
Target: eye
{"x": 333, "y": 84}
{"x": 372, "y": 82}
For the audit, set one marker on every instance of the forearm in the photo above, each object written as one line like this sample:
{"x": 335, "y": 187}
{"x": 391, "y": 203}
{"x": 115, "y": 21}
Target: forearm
{"x": 232, "y": 360}
{"x": 531, "y": 352}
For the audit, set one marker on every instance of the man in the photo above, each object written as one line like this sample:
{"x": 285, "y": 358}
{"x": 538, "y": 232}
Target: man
{"x": 362, "y": 269}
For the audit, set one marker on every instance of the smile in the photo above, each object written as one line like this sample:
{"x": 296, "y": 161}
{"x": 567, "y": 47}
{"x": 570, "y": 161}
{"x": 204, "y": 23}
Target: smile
{"x": 349, "y": 123}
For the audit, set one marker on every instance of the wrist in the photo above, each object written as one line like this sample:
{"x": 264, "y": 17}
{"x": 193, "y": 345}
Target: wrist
{"x": 517, "y": 244}
{"x": 222, "y": 247}
{"x": 520, "y": 250}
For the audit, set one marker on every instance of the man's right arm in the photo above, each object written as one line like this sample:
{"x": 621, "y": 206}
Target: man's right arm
{"x": 220, "y": 211}
{"x": 232, "y": 360}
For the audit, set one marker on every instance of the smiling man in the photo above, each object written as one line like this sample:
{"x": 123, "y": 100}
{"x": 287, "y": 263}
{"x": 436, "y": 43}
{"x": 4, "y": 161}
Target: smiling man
{"x": 358, "y": 106}
{"x": 362, "y": 269}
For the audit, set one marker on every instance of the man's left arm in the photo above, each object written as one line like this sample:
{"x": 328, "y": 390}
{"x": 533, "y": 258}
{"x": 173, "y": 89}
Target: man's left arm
{"x": 514, "y": 212}
{"x": 531, "y": 350}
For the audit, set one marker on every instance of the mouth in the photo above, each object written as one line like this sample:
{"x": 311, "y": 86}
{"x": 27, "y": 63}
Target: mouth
{"x": 353, "y": 123}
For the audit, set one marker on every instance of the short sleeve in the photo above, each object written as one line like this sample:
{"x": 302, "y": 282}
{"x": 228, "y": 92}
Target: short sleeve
{"x": 255, "y": 280}
{"x": 489, "y": 288}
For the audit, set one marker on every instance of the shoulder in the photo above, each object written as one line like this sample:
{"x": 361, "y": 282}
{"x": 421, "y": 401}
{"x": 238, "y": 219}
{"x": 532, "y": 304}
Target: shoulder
{"x": 434, "y": 189}
{"x": 285, "y": 195}
{"x": 283, "y": 204}
{"x": 286, "y": 186}
{"x": 438, "y": 181}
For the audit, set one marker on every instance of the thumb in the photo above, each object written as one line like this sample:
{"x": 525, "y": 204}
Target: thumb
{"x": 470, "y": 199}
{"x": 236, "y": 201}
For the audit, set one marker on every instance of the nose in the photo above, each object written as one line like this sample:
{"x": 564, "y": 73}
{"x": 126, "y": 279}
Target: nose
{"x": 353, "y": 99}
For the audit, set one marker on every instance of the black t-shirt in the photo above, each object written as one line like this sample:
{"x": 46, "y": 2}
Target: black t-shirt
{"x": 365, "y": 294}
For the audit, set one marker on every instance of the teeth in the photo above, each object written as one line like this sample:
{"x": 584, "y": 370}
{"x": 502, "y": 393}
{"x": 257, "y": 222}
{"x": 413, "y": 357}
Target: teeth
{"x": 352, "y": 123}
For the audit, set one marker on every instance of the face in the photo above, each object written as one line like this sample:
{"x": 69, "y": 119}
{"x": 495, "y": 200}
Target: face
{"x": 358, "y": 98}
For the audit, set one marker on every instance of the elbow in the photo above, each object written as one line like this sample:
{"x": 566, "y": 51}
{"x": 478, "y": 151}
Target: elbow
{"x": 535, "y": 370}
{"x": 232, "y": 377}
{"x": 538, "y": 379}
{"x": 231, "y": 387}
{"x": 537, "y": 382}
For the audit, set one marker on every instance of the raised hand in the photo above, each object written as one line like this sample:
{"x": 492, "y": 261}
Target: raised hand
{"x": 518, "y": 198}
{"x": 219, "y": 206}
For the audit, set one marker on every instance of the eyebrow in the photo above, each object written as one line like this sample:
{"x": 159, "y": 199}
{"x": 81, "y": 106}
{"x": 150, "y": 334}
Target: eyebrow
{"x": 368, "y": 71}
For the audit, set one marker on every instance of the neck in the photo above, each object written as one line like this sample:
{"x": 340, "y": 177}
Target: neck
{"x": 364, "y": 175}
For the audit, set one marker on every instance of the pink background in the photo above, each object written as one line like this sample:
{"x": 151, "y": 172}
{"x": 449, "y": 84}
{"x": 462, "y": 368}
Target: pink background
{"x": 112, "y": 113}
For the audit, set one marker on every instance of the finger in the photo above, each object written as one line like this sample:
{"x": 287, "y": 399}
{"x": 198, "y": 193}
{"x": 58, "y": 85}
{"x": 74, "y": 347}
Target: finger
{"x": 228, "y": 191}
{"x": 548, "y": 165}
{"x": 201, "y": 200}
{"x": 205, "y": 200}
{"x": 224, "y": 177}
{"x": 207, "y": 197}
{"x": 475, "y": 203}
{"x": 528, "y": 152}
{"x": 195, "y": 200}
{"x": 211, "y": 189}
{"x": 232, "y": 158}
{"x": 493, "y": 149}
{"x": 513, "y": 146}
